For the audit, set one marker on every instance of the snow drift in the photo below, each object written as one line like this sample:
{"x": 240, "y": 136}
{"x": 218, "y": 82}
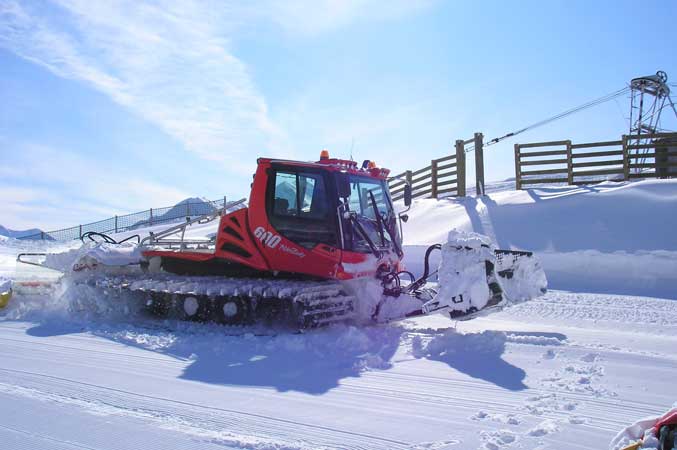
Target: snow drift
{"x": 607, "y": 238}
{"x": 92, "y": 254}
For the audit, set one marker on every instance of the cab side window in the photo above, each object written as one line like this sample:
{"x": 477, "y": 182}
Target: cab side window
{"x": 300, "y": 209}
{"x": 285, "y": 195}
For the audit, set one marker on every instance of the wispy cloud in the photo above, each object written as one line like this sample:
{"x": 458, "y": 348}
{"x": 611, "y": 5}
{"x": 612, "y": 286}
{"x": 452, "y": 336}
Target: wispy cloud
{"x": 169, "y": 62}
{"x": 320, "y": 16}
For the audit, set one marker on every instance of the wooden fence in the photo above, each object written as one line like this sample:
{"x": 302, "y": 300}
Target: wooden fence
{"x": 444, "y": 176}
{"x": 628, "y": 158}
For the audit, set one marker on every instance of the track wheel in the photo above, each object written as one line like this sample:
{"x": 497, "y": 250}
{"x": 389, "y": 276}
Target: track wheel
{"x": 232, "y": 310}
{"x": 192, "y": 307}
{"x": 157, "y": 304}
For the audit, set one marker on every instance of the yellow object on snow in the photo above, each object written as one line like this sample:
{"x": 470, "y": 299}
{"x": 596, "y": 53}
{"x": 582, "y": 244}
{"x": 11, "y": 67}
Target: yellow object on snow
{"x": 634, "y": 446}
{"x": 4, "y": 298}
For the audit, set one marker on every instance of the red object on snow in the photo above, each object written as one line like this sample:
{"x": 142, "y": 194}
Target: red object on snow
{"x": 669, "y": 419}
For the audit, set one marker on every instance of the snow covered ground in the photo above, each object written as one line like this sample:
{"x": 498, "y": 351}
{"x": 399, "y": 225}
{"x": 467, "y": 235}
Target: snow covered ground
{"x": 568, "y": 370}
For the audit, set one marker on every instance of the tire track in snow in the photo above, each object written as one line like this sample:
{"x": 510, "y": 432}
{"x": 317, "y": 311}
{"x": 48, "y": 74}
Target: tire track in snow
{"x": 627, "y": 310}
{"x": 188, "y": 417}
{"x": 43, "y": 437}
{"x": 32, "y": 343}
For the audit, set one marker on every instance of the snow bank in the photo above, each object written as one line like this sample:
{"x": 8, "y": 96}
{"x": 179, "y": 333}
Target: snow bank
{"x": 57, "y": 297}
{"x": 450, "y": 341}
{"x": 369, "y": 295}
{"x": 647, "y": 273}
{"x": 372, "y": 305}
{"x": 92, "y": 254}
{"x": 615, "y": 238}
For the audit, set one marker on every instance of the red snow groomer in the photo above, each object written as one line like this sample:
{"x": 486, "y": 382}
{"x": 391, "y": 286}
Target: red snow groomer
{"x": 306, "y": 224}
{"x": 324, "y": 220}
{"x": 307, "y": 230}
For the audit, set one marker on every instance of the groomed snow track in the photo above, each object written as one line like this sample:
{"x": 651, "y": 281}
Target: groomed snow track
{"x": 529, "y": 377}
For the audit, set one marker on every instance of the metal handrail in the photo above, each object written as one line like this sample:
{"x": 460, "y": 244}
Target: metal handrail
{"x": 157, "y": 239}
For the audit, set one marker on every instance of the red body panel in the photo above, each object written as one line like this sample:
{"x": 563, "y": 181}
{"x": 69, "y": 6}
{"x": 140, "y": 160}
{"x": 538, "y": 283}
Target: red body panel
{"x": 235, "y": 231}
{"x": 246, "y": 237}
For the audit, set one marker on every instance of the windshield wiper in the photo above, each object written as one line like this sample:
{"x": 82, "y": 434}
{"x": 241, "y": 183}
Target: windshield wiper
{"x": 356, "y": 223}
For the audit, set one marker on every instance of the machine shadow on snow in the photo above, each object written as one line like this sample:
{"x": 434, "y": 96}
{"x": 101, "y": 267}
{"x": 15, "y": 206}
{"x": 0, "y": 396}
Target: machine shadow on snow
{"x": 284, "y": 369}
{"x": 478, "y": 355}
{"x": 313, "y": 362}
{"x": 481, "y": 225}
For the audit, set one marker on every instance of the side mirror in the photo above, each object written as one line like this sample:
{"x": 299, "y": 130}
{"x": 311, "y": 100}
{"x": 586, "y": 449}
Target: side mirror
{"x": 404, "y": 217}
{"x": 407, "y": 194}
{"x": 343, "y": 185}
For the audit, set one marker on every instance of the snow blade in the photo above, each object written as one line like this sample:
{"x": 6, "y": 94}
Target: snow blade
{"x": 519, "y": 275}
{"x": 474, "y": 278}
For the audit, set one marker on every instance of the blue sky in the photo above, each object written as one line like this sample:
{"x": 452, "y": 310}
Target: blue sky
{"x": 112, "y": 107}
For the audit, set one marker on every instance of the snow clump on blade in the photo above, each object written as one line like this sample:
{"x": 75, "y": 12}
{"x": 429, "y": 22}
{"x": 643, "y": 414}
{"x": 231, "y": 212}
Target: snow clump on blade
{"x": 462, "y": 272}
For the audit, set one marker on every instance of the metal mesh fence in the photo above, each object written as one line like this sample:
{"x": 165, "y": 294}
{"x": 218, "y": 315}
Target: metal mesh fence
{"x": 132, "y": 221}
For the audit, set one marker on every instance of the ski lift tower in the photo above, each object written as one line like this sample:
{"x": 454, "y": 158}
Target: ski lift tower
{"x": 648, "y": 97}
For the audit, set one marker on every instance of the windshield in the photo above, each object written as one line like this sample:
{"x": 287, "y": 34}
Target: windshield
{"x": 360, "y": 198}
{"x": 360, "y": 202}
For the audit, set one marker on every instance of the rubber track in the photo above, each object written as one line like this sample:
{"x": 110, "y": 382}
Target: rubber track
{"x": 315, "y": 303}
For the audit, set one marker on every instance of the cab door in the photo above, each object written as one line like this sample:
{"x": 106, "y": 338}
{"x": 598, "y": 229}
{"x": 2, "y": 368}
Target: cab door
{"x": 299, "y": 231}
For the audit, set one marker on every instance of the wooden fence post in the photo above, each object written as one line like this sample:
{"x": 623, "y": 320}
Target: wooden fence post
{"x": 518, "y": 172}
{"x": 116, "y": 224}
{"x": 460, "y": 168}
{"x": 408, "y": 177}
{"x": 151, "y": 216}
{"x": 479, "y": 164}
{"x": 626, "y": 158}
{"x": 433, "y": 178}
{"x": 80, "y": 231}
{"x": 570, "y": 165}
